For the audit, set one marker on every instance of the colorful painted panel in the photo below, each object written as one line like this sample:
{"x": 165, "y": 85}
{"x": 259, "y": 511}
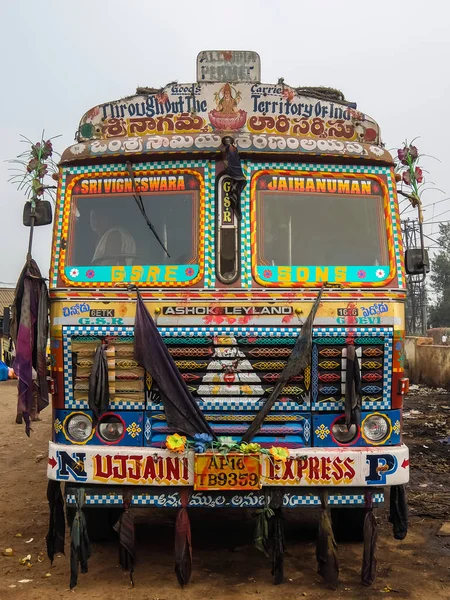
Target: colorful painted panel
{"x": 306, "y": 467}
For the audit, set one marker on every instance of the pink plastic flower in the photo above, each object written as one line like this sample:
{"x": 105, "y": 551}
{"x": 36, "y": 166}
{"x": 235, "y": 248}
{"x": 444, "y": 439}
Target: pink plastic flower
{"x": 418, "y": 174}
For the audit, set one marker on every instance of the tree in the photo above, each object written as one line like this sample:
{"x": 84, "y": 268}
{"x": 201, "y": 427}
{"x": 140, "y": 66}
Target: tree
{"x": 440, "y": 279}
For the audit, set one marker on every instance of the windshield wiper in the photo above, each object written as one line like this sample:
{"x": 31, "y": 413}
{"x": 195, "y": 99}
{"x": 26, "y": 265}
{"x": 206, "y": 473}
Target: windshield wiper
{"x": 141, "y": 207}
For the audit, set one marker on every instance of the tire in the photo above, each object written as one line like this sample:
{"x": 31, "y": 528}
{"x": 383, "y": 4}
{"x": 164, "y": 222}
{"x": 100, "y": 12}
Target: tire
{"x": 100, "y": 521}
{"x": 348, "y": 523}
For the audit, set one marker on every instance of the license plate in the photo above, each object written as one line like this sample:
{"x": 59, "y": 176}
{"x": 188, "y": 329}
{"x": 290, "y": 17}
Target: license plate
{"x": 227, "y": 472}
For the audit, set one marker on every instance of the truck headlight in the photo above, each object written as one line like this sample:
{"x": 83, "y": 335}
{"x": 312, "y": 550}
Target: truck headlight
{"x": 79, "y": 427}
{"x": 375, "y": 427}
{"x": 341, "y": 434}
{"x": 110, "y": 428}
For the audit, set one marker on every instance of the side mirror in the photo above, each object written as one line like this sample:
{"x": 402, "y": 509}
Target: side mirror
{"x": 43, "y": 213}
{"x": 415, "y": 260}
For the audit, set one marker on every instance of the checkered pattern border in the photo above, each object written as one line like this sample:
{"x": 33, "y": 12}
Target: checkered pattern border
{"x": 246, "y": 253}
{"x": 252, "y": 168}
{"x": 210, "y": 226}
{"x": 84, "y": 405}
{"x": 387, "y": 373}
{"x": 200, "y": 500}
{"x": 243, "y": 404}
{"x": 114, "y": 168}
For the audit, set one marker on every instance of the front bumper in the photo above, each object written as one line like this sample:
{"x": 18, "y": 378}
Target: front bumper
{"x": 306, "y": 467}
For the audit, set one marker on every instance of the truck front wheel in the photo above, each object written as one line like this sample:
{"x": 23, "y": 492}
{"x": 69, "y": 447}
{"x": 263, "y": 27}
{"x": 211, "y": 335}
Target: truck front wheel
{"x": 348, "y": 523}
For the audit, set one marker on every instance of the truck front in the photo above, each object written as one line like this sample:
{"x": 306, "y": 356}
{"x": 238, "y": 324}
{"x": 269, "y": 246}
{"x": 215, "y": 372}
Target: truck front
{"x": 229, "y": 274}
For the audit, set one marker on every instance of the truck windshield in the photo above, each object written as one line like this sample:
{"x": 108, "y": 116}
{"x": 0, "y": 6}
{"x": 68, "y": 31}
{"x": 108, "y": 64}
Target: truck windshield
{"x": 306, "y": 222}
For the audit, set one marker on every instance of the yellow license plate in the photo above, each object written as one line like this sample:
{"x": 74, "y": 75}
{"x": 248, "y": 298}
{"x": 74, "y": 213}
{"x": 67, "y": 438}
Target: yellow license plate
{"x": 227, "y": 472}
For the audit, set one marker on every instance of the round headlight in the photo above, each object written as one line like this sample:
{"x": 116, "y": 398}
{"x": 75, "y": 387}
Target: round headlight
{"x": 110, "y": 428}
{"x": 79, "y": 427}
{"x": 343, "y": 435}
{"x": 375, "y": 428}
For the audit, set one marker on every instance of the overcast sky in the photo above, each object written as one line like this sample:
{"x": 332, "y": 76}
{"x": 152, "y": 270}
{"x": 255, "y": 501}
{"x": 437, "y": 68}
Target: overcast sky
{"x": 59, "y": 58}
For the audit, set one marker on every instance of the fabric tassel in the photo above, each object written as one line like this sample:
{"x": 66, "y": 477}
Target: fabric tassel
{"x": 369, "y": 563}
{"x": 261, "y": 539}
{"x": 80, "y": 549}
{"x": 183, "y": 414}
{"x": 29, "y": 329}
{"x": 278, "y": 547}
{"x": 98, "y": 394}
{"x": 233, "y": 169}
{"x": 57, "y": 524}
{"x": 398, "y": 511}
{"x": 352, "y": 388}
{"x": 326, "y": 548}
{"x": 277, "y": 534}
{"x": 183, "y": 547}
{"x": 125, "y": 528}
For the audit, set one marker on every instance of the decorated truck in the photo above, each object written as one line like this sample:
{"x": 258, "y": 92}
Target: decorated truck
{"x": 227, "y": 293}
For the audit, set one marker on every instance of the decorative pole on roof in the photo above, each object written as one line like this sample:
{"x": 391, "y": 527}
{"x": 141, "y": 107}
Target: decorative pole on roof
{"x": 35, "y": 165}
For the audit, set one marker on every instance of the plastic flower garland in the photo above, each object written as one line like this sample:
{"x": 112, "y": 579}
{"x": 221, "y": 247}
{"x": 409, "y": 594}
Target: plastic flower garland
{"x": 203, "y": 442}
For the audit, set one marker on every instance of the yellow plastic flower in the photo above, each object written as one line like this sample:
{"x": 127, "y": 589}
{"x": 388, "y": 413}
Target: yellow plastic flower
{"x": 176, "y": 442}
{"x": 253, "y": 447}
{"x": 279, "y": 453}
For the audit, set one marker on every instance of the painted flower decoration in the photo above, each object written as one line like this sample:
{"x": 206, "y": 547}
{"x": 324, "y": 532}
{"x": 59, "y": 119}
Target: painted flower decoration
{"x": 201, "y": 441}
{"x": 267, "y": 274}
{"x": 361, "y": 274}
{"x": 78, "y": 149}
{"x": 176, "y": 442}
{"x": 189, "y": 271}
{"x": 279, "y": 453}
{"x": 380, "y": 273}
{"x": 251, "y": 448}
{"x": 74, "y": 272}
{"x": 376, "y": 150}
{"x": 90, "y": 273}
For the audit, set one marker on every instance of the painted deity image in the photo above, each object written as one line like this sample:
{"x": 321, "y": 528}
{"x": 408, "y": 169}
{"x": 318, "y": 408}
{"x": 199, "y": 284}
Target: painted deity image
{"x": 226, "y": 115}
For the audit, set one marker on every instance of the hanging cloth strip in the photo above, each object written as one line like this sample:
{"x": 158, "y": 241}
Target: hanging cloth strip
{"x": 263, "y": 516}
{"x": 398, "y": 511}
{"x": 29, "y": 332}
{"x": 182, "y": 411}
{"x": 98, "y": 394}
{"x": 57, "y": 524}
{"x": 326, "y": 547}
{"x": 233, "y": 169}
{"x": 369, "y": 562}
{"x": 352, "y": 389}
{"x": 183, "y": 543}
{"x": 297, "y": 362}
{"x": 80, "y": 548}
{"x": 278, "y": 545}
{"x": 125, "y": 528}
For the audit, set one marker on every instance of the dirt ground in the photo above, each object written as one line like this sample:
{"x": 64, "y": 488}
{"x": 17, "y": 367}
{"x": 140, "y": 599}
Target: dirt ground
{"x": 225, "y": 563}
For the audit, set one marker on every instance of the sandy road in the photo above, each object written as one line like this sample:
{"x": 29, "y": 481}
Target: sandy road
{"x": 225, "y": 563}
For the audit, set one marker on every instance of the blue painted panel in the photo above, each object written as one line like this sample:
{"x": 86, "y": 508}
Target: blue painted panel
{"x": 133, "y": 423}
{"x": 323, "y": 438}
